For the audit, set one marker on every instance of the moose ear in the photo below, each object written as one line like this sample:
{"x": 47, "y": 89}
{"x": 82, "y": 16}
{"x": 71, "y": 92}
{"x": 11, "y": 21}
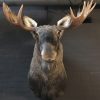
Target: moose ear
{"x": 29, "y": 22}
{"x": 65, "y": 22}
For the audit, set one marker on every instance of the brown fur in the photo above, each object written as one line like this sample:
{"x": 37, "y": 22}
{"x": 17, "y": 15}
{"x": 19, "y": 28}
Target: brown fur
{"x": 49, "y": 83}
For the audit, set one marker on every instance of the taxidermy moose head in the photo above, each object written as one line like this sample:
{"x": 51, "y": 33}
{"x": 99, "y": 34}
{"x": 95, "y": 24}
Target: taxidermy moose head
{"x": 47, "y": 75}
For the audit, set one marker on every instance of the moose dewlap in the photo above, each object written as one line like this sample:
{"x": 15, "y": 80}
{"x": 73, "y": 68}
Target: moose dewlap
{"x": 47, "y": 75}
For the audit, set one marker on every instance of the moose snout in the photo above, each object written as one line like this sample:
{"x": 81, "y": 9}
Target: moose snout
{"x": 48, "y": 53}
{"x": 49, "y": 57}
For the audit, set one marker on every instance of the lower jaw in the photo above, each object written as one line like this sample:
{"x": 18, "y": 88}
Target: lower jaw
{"x": 47, "y": 65}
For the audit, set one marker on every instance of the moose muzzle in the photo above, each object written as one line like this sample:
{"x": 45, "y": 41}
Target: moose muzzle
{"x": 48, "y": 52}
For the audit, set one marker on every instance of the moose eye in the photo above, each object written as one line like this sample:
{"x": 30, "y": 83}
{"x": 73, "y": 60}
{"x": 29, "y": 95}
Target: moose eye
{"x": 59, "y": 33}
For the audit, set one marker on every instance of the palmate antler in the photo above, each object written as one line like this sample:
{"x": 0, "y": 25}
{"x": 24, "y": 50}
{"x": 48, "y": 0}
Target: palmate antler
{"x": 81, "y": 16}
{"x": 75, "y": 21}
{"x": 24, "y": 21}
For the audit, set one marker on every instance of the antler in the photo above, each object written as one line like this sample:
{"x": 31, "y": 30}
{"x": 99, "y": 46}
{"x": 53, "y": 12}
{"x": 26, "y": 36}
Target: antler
{"x": 11, "y": 17}
{"x": 81, "y": 16}
{"x": 72, "y": 20}
{"x": 20, "y": 20}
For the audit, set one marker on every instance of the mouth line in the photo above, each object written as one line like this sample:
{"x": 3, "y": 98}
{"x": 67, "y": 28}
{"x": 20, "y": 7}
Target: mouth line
{"x": 49, "y": 61}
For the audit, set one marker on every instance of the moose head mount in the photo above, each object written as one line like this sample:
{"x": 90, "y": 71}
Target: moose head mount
{"x": 47, "y": 75}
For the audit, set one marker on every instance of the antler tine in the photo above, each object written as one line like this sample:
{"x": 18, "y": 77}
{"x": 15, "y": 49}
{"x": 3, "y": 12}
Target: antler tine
{"x": 72, "y": 13}
{"x": 80, "y": 13}
{"x": 87, "y": 3}
{"x": 90, "y": 4}
{"x": 19, "y": 16}
{"x": 89, "y": 7}
{"x": 93, "y": 7}
{"x": 20, "y": 19}
{"x": 7, "y": 12}
{"x": 84, "y": 6}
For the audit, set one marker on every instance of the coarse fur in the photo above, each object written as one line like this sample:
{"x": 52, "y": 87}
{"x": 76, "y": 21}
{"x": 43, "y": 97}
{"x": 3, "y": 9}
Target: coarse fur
{"x": 47, "y": 80}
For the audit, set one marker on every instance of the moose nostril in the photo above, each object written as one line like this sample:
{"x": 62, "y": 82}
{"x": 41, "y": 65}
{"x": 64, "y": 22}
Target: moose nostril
{"x": 49, "y": 57}
{"x": 49, "y": 60}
